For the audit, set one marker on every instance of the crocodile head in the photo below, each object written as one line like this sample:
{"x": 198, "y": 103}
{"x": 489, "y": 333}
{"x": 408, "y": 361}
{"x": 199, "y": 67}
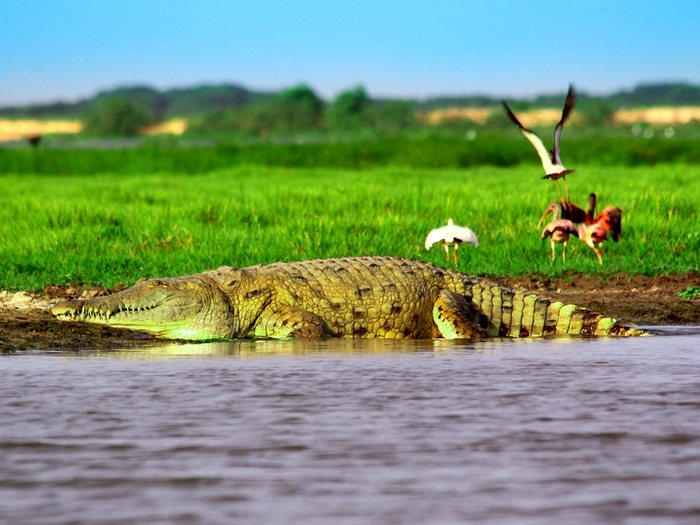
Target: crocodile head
{"x": 192, "y": 307}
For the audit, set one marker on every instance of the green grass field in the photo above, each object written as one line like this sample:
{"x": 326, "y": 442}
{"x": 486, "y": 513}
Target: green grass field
{"x": 108, "y": 229}
{"x": 432, "y": 150}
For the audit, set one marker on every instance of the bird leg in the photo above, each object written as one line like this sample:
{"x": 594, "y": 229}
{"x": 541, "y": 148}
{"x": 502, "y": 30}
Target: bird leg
{"x": 563, "y": 253}
{"x": 455, "y": 254}
{"x": 447, "y": 251}
{"x": 558, "y": 190}
{"x": 566, "y": 186}
{"x": 599, "y": 253}
{"x": 551, "y": 242}
{"x": 600, "y": 256}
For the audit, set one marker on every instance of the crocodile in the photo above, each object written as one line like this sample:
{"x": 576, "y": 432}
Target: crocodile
{"x": 352, "y": 297}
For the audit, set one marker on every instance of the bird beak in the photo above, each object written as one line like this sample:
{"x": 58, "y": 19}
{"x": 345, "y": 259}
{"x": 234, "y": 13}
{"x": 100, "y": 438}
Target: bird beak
{"x": 549, "y": 210}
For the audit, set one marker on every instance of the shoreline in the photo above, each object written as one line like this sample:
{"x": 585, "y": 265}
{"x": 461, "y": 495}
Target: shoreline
{"x": 26, "y": 322}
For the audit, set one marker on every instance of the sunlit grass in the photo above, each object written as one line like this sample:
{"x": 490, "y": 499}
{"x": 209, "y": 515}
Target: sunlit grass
{"x": 108, "y": 229}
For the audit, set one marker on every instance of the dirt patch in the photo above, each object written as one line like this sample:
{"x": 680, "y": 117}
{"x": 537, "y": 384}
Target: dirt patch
{"x": 658, "y": 116}
{"x": 21, "y": 129}
{"x": 11, "y": 130}
{"x": 640, "y": 300}
{"x": 26, "y": 322}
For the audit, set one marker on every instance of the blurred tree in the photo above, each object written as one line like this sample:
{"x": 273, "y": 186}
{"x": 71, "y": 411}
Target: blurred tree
{"x": 297, "y": 109}
{"x": 596, "y": 112}
{"x": 394, "y": 115}
{"x": 294, "y": 109}
{"x": 153, "y": 100}
{"x": 117, "y": 117}
{"x": 350, "y": 109}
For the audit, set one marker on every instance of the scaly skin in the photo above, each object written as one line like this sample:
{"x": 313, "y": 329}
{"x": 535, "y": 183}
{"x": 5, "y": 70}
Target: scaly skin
{"x": 350, "y": 297}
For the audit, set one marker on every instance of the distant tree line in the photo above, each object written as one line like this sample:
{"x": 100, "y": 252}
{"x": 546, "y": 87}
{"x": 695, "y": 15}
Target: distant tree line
{"x": 234, "y": 109}
{"x": 301, "y": 109}
{"x": 292, "y": 110}
{"x": 171, "y": 103}
{"x": 187, "y": 102}
{"x": 117, "y": 117}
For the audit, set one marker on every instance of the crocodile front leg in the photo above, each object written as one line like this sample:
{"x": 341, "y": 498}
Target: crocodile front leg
{"x": 453, "y": 316}
{"x": 288, "y": 322}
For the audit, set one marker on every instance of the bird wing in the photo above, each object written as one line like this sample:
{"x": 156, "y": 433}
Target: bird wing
{"x": 451, "y": 233}
{"x": 438, "y": 234}
{"x": 534, "y": 140}
{"x": 568, "y": 106}
{"x": 611, "y": 219}
{"x": 592, "y": 203}
{"x": 464, "y": 235}
{"x": 562, "y": 225}
{"x": 573, "y": 213}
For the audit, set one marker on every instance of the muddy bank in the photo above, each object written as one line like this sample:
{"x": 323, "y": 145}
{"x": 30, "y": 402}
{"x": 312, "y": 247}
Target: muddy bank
{"x": 633, "y": 299}
{"x": 26, "y": 322}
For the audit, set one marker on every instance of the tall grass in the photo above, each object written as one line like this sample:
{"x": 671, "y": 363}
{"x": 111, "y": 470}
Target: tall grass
{"x": 508, "y": 149}
{"x": 118, "y": 228}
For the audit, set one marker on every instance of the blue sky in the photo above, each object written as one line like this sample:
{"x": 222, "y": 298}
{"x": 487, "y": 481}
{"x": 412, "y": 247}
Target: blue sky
{"x": 64, "y": 50}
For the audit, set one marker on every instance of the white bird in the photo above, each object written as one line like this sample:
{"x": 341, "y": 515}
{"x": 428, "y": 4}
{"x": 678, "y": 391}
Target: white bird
{"x": 451, "y": 235}
{"x": 551, "y": 161}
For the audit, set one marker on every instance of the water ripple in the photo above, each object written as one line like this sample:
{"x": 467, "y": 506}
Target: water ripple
{"x": 547, "y": 431}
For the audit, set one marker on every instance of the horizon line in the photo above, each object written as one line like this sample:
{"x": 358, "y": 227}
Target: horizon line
{"x": 272, "y": 91}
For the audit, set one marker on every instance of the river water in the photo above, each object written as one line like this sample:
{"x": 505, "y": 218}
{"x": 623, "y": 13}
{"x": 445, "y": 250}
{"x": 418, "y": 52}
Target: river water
{"x": 356, "y": 432}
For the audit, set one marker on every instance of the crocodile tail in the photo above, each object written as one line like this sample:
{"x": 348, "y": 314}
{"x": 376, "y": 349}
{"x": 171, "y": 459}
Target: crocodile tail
{"x": 506, "y": 312}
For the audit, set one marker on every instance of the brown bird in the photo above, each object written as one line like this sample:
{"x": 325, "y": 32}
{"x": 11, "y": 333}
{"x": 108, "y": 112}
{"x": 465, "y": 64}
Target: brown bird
{"x": 551, "y": 161}
{"x": 595, "y": 230}
{"x": 565, "y": 210}
{"x": 559, "y": 230}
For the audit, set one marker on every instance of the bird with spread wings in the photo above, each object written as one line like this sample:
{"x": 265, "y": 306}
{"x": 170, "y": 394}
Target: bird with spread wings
{"x": 590, "y": 228}
{"x": 451, "y": 235}
{"x": 595, "y": 230}
{"x": 551, "y": 160}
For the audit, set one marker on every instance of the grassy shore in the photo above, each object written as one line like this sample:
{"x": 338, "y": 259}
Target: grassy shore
{"x": 106, "y": 229}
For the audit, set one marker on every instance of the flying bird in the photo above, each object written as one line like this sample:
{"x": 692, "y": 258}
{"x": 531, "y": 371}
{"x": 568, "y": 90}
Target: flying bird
{"x": 451, "y": 235}
{"x": 551, "y": 161}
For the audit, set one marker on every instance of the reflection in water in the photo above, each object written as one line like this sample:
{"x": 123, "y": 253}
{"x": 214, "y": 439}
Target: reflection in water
{"x": 259, "y": 348}
{"x": 355, "y": 431}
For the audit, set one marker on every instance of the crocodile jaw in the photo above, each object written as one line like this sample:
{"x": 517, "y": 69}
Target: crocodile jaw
{"x": 192, "y": 307}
